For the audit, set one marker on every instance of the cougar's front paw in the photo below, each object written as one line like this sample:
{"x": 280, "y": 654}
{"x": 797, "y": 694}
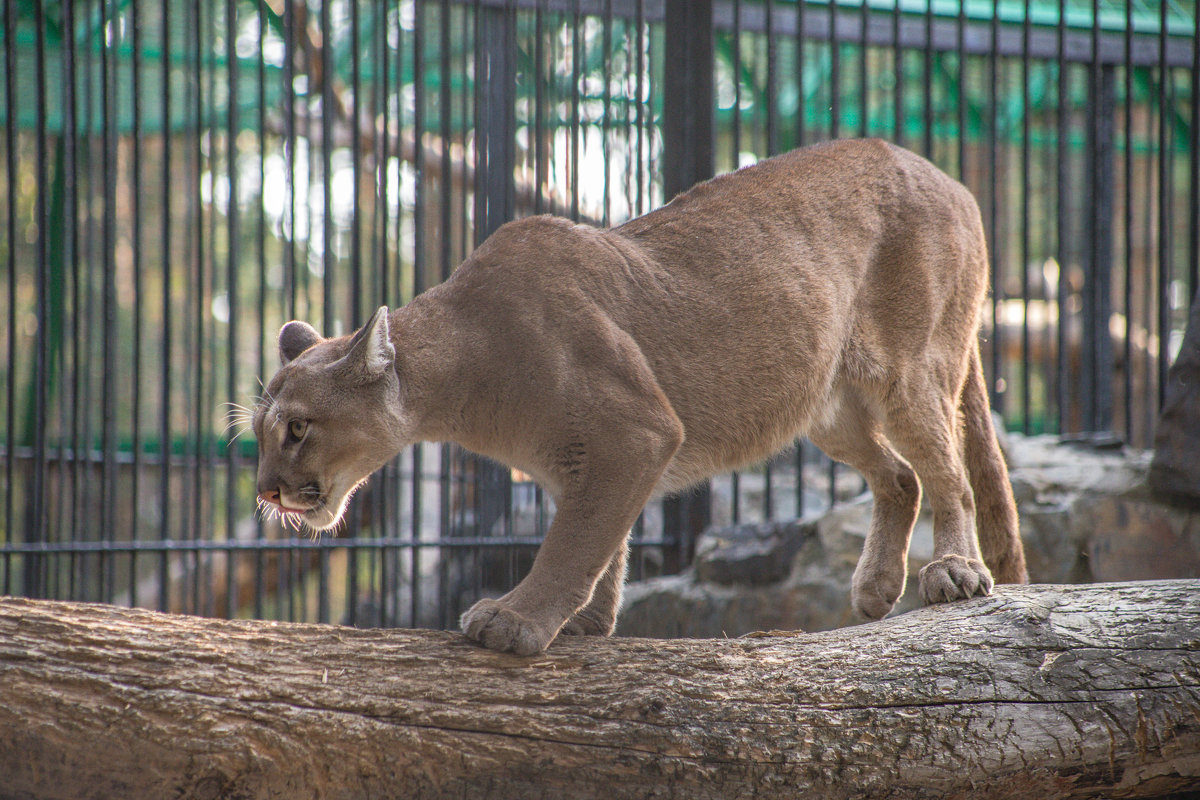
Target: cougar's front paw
{"x": 954, "y": 577}
{"x": 498, "y": 627}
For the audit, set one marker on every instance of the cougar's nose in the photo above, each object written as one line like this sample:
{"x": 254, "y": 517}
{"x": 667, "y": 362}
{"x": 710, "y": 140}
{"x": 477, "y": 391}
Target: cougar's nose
{"x": 269, "y": 496}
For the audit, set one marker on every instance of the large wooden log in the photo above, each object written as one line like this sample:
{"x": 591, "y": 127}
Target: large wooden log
{"x": 1035, "y": 692}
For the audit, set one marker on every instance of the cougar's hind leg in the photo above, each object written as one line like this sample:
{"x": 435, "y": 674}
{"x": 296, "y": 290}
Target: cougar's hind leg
{"x": 995, "y": 509}
{"x": 922, "y": 423}
{"x": 599, "y": 616}
{"x": 856, "y": 438}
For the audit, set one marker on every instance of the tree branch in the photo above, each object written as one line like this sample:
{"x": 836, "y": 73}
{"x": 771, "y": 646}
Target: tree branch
{"x": 1039, "y": 691}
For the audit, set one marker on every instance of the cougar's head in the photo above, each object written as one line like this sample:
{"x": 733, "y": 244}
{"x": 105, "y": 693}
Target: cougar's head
{"x": 329, "y": 418}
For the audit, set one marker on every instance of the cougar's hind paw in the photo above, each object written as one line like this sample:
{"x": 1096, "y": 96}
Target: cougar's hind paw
{"x": 871, "y": 604}
{"x": 874, "y": 592}
{"x": 584, "y": 624}
{"x": 954, "y": 577}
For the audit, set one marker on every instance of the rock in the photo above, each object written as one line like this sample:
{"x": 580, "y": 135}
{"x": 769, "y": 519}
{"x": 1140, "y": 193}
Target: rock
{"x": 754, "y": 553}
{"x": 678, "y": 606}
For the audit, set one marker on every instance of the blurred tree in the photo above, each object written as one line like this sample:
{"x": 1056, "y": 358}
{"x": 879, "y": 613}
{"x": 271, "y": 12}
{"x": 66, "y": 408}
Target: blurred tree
{"x": 1175, "y": 470}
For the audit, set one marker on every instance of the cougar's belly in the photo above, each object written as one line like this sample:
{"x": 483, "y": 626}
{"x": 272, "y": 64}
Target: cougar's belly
{"x": 730, "y": 436}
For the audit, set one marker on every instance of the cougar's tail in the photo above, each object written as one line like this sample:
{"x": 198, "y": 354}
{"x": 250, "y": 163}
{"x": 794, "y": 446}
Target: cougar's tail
{"x": 995, "y": 509}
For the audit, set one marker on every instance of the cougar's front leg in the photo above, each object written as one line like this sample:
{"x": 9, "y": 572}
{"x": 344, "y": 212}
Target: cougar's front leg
{"x": 589, "y": 529}
{"x": 607, "y": 478}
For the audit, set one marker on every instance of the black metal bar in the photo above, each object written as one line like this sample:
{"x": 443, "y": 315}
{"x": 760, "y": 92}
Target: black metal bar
{"x": 864, "y": 85}
{"x": 420, "y": 217}
{"x": 71, "y": 168}
{"x": 1087, "y": 352}
{"x": 606, "y": 45}
{"x": 737, "y": 82}
{"x": 86, "y": 312}
{"x": 55, "y": 260}
{"x": 323, "y": 582}
{"x": 688, "y": 158}
{"x": 290, "y": 141}
{"x": 540, "y": 158}
{"x": 359, "y": 297}
{"x": 1127, "y": 225}
{"x": 399, "y": 149}
{"x": 640, "y": 43}
{"x": 1062, "y": 222}
{"x": 1097, "y": 355}
{"x": 358, "y": 286}
{"x": 895, "y": 21}
{"x": 446, "y": 265}
{"x": 799, "y": 35}
{"x": 109, "y": 89}
{"x": 735, "y": 499}
{"x": 688, "y": 123}
{"x": 10, "y": 179}
{"x": 1025, "y": 248}
{"x": 997, "y": 388}
{"x": 36, "y": 527}
{"x": 833, "y": 474}
{"x": 200, "y": 278}
{"x": 209, "y": 399}
{"x": 139, "y": 289}
{"x": 768, "y": 499}
{"x": 232, "y": 269}
{"x": 835, "y": 74}
{"x": 960, "y": 45}
{"x": 328, "y": 228}
{"x": 1150, "y": 295}
{"x": 497, "y": 124}
{"x": 799, "y": 478}
{"x": 381, "y": 109}
{"x": 1194, "y": 179}
{"x": 1163, "y": 327}
{"x": 261, "y": 365}
{"x": 927, "y": 84}
{"x": 576, "y": 73}
{"x": 166, "y": 373}
{"x": 772, "y": 110}
{"x": 496, "y": 127}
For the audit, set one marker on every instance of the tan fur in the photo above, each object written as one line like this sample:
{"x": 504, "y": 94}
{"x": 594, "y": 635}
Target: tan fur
{"x": 832, "y": 292}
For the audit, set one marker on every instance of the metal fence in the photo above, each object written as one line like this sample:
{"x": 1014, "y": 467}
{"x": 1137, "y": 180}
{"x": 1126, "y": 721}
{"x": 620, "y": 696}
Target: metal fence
{"x": 181, "y": 177}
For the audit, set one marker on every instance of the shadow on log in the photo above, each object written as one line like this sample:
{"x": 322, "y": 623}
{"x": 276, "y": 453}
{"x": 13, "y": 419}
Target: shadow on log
{"x": 1036, "y": 692}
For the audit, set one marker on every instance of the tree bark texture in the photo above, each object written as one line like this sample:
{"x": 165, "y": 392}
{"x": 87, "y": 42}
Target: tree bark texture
{"x": 1035, "y": 692}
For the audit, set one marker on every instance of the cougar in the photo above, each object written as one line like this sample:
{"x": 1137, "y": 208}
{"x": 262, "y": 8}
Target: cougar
{"x": 832, "y": 292}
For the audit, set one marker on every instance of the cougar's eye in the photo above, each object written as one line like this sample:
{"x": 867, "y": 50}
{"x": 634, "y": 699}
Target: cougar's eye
{"x": 297, "y": 428}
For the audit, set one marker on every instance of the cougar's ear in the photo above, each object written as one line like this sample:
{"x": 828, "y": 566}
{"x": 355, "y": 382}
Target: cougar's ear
{"x": 371, "y": 352}
{"x": 294, "y": 338}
